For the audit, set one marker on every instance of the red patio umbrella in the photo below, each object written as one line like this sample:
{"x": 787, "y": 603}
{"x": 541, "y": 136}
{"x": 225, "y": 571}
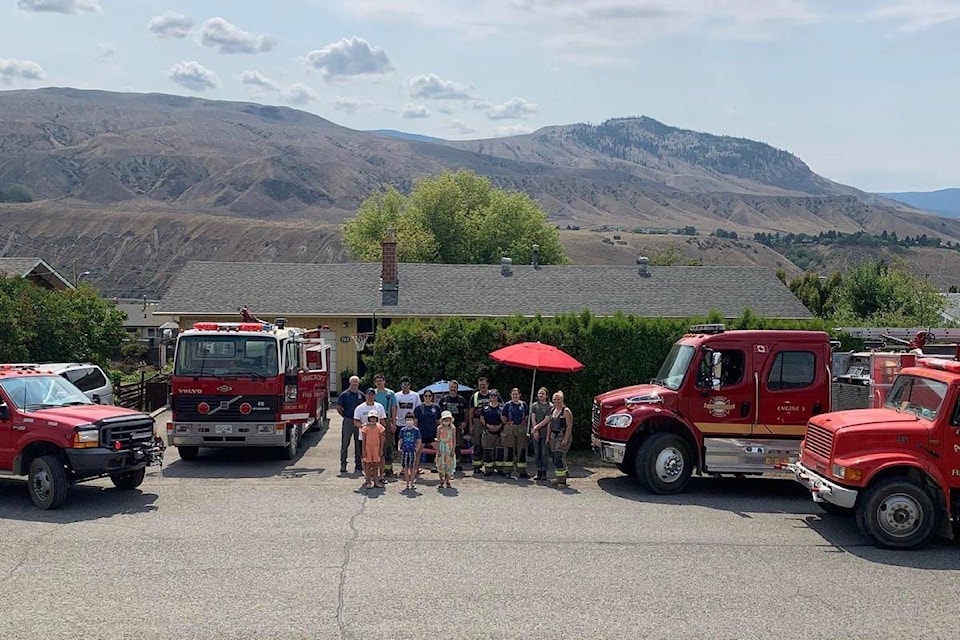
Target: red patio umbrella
{"x": 539, "y": 357}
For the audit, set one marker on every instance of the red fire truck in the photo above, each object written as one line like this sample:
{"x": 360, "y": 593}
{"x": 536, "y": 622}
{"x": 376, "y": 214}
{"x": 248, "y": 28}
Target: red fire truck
{"x": 896, "y": 468}
{"x": 241, "y": 384}
{"x": 733, "y": 402}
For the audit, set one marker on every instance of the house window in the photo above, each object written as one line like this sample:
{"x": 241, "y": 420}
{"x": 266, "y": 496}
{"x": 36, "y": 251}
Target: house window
{"x": 792, "y": 370}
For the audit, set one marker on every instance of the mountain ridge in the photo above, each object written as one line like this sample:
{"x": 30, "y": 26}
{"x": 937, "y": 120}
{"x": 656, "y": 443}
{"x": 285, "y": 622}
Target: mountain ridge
{"x": 941, "y": 201}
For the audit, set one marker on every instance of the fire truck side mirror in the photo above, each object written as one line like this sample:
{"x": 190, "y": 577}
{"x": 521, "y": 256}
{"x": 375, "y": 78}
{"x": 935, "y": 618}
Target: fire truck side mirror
{"x": 4, "y": 411}
{"x": 708, "y": 377}
{"x": 716, "y": 369}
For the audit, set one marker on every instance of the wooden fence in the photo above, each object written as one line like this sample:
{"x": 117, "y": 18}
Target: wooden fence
{"x": 148, "y": 394}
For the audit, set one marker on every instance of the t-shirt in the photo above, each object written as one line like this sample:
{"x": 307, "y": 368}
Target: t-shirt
{"x": 371, "y": 443}
{"x": 428, "y": 416}
{"x": 455, "y": 405}
{"x": 515, "y": 411}
{"x": 479, "y": 401}
{"x": 540, "y": 410}
{"x": 408, "y": 439}
{"x": 362, "y": 410}
{"x": 493, "y": 417}
{"x": 349, "y": 401}
{"x": 388, "y": 399}
{"x": 406, "y": 403}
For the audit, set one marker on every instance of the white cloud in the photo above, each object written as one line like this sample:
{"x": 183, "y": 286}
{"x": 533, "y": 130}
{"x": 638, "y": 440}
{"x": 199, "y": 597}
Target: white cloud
{"x": 170, "y": 25}
{"x": 349, "y": 57}
{"x": 349, "y": 105}
{"x": 229, "y": 38}
{"x": 513, "y": 108}
{"x": 511, "y": 130}
{"x": 58, "y": 6}
{"x": 584, "y": 32}
{"x": 433, "y": 87}
{"x": 259, "y": 81}
{"x": 298, "y": 94}
{"x": 447, "y": 111}
{"x": 106, "y": 50}
{"x": 918, "y": 15}
{"x": 415, "y": 111}
{"x": 193, "y": 76}
{"x": 461, "y": 127}
{"x": 22, "y": 69}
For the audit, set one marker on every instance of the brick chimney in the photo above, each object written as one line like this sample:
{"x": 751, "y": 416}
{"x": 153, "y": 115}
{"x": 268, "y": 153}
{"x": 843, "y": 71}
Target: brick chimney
{"x": 389, "y": 280}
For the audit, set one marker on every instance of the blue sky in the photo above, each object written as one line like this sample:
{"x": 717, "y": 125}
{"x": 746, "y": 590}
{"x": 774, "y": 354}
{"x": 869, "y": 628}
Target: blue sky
{"x": 865, "y": 92}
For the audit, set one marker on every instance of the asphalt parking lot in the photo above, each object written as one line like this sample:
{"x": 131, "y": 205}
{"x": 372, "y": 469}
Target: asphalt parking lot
{"x": 240, "y": 544}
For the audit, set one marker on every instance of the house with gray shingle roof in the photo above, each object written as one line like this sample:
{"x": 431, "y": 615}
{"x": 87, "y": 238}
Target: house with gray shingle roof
{"x": 349, "y": 298}
{"x": 36, "y": 270}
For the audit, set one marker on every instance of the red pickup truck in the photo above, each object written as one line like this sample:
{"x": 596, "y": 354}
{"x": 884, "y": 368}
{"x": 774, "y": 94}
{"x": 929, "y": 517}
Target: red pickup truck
{"x": 53, "y": 434}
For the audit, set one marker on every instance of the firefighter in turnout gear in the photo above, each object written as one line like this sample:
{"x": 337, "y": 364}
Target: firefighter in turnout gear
{"x": 515, "y": 438}
{"x": 491, "y": 418}
{"x": 478, "y": 402}
{"x": 559, "y": 437}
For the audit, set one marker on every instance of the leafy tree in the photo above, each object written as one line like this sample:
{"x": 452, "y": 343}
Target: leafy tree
{"x": 671, "y": 257}
{"x": 454, "y": 218}
{"x": 15, "y": 193}
{"x": 818, "y": 294}
{"x": 881, "y": 294}
{"x": 40, "y": 325}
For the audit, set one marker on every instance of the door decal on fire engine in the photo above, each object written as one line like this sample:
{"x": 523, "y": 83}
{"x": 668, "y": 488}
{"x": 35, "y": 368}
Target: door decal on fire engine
{"x": 719, "y": 406}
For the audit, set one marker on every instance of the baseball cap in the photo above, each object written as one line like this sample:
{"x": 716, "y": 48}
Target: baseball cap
{"x": 373, "y": 414}
{"x": 371, "y": 390}
{"x": 445, "y": 415}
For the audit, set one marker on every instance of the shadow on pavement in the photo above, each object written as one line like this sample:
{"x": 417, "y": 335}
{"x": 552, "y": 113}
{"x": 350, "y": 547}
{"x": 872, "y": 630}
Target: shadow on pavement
{"x": 252, "y": 462}
{"x": 84, "y": 502}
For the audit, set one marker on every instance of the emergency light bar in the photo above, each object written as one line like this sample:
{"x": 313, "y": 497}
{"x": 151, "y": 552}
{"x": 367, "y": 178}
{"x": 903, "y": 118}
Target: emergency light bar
{"x": 232, "y": 326}
{"x": 708, "y": 328}
{"x": 940, "y": 363}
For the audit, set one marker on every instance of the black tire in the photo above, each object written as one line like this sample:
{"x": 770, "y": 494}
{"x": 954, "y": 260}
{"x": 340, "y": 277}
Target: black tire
{"x": 129, "y": 479}
{"x": 628, "y": 468}
{"x": 897, "y": 514}
{"x": 834, "y": 509}
{"x": 48, "y": 483}
{"x": 669, "y": 453}
{"x": 188, "y": 453}
{"x": 289, "y": 450}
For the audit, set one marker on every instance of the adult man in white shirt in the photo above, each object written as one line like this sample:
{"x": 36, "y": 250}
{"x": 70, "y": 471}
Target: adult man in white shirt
{"x": 407, "y": 400}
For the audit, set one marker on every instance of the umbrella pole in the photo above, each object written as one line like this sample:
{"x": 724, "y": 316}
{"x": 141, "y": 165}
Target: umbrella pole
{"x": 533, "y": 386}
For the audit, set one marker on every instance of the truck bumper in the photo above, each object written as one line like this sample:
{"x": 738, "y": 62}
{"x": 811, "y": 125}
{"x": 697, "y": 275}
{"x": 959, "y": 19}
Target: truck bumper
{"x": 241, "y": 434}
{"x": 92, "y": 463}
{"x": 822, "y": 489}
{"x": 608, "y": 451}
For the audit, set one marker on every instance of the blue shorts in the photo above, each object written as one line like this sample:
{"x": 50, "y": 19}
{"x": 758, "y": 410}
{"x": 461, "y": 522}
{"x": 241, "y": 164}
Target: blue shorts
{"x": 408, "y": 459}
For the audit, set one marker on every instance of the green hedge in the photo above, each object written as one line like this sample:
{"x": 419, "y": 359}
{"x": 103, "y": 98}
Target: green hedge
{"x": 616, "y": 351}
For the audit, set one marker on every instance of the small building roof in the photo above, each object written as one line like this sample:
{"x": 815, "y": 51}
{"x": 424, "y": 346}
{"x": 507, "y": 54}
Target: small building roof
{"x": 951, "y": 313}
{"x": 352, "y": 289}
{"x": 36, "y": 270}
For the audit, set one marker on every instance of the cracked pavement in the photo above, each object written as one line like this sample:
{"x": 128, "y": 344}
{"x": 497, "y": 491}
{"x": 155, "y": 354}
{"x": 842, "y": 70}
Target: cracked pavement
{"x": 241, "y": 545}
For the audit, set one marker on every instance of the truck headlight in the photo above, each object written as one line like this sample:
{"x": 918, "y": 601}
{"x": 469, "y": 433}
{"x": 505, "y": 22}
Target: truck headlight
{"x": 86, "y": 436}
{"x": 846, "y": 473}
{"x": 619, "y": 420}
{"x": 290, "y": 393}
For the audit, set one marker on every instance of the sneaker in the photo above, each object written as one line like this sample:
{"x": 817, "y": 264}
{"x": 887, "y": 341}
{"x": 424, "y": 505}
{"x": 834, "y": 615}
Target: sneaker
{"x": 434, "y": 471}
{"x": 357, "y": 468}
{"x": 343, "y": 468}
{"x": 388, "y": 473}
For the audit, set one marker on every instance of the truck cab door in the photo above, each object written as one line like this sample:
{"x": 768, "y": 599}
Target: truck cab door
{"x": 951, "y": 444}
{"x": 793, "y": 384}
{"x": 7, "y": 412}
{"x": 722, "y": 406}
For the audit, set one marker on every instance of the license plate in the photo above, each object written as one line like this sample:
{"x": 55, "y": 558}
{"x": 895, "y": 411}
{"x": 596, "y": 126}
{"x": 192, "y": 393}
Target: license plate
{"x": 613, "y": 454}
{"x": 223, "y": 428}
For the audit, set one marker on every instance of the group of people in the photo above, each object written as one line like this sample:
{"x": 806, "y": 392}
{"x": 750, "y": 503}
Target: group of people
{"x": 500, "y": 436}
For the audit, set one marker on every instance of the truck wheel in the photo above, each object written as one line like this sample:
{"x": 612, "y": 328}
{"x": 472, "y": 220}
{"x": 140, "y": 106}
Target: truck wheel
{"x": 289, "y": 450}
{"x": 129, "y": 479}
{"x": 897, "y": 514}
{"x": 834, "y": 509}
{"x": 48, "y": 482}
{"x": 188, "y": 453}
{"x": 629, "y": 468}
{"x": 664, "y": 464}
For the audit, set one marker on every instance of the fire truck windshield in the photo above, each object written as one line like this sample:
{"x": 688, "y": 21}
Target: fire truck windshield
{"x": 675, "y": 366}
{"x": 227, "y": 355}
{"x": 921, "y": 396}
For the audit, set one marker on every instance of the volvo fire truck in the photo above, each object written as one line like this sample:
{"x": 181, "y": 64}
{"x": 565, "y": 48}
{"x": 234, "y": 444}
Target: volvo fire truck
{"x": 734, "y": 402}
{"x": 243, "y": 384}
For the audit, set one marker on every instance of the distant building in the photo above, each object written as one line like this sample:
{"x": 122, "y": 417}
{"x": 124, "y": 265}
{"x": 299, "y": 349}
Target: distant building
{"x": 951, "y": 313}
{"x": 36, "y": 270}
{"x": 351, "y": 299}
{"x": 143, "y": 321}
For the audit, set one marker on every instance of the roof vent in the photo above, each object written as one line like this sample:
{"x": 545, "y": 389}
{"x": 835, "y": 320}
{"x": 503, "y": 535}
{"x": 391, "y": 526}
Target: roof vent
{"x": 506, "y": 266}
{"x": 535, "y": 256}
{"x": 280, "y": 322}
{"x": 643, "y": 266}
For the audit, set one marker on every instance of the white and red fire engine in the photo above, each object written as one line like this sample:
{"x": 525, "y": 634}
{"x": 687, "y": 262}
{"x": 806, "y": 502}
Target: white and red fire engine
{"x": 243, "y": 384}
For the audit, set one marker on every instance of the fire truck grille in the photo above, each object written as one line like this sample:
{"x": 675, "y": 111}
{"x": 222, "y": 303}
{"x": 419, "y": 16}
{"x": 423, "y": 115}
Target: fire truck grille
{"x": 819, "y": 441}
{"x": 224, "y": 408}
{"x": 595, "y": 415}
{"x": 130, "y": 432}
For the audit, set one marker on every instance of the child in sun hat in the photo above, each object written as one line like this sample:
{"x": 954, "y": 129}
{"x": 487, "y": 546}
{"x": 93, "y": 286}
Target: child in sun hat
{"x": 373, "y": 437}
